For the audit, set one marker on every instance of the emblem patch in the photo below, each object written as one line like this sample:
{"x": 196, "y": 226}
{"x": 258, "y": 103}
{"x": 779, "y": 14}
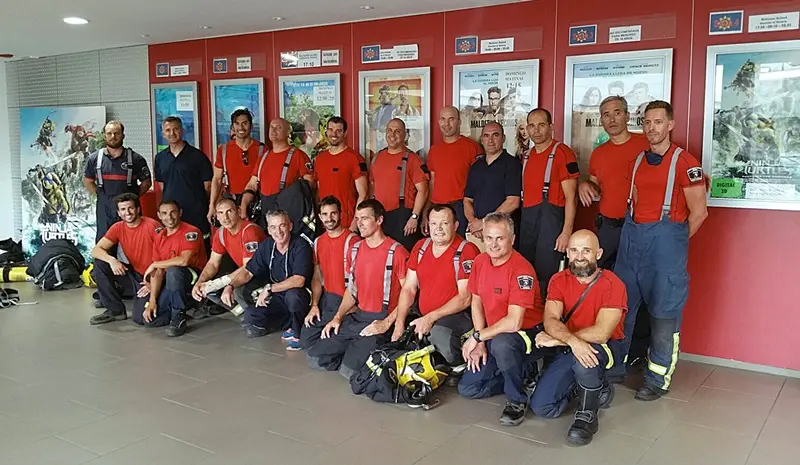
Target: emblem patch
{"x": 525, "y": 282}
{"x": 191, "y": 236}
{"x": 251, "y": 247}
{"x": 124, "y": 165}
{"x": 159, "y": 229}
{"x": 310, "y": 166}
{"x": 498, "y": 290}
{"x": 466, "y": 265}
{"x": 695, "y": 174}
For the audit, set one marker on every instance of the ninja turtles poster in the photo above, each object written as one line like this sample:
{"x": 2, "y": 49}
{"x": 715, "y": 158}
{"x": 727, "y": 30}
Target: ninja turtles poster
{"x": 55, "y": 143}
{"x": 752, "y": 130}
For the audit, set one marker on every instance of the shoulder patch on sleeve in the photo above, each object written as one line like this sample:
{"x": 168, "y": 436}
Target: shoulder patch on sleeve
{"x": 159, "y": 229}
{"x": 251, "y": 247}
{"x": 466, "y": 265}
{"x": 525, "y": 282}
{"x": 695, "y": 174}
{"x": 310, "y": 166}
{"x": 362, "y": 166}
{"x": 572, "y": 167}
{"x": 191, "y": 236}
{"x": 424, "y": 168}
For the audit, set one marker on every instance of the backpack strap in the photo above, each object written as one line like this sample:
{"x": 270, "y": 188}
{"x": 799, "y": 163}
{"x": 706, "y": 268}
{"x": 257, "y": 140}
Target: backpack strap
{"x": 285, "y": 169}
{"x": 457, "y": 257}
{"x": 566, "y": 317}
{"x": 129, "y": 154}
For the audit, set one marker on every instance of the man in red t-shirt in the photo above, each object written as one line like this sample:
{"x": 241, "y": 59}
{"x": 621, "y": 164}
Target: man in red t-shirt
{"x": 609, "y": 175}
{"x": 399, "y": 181}
{"x": 377, "y": 271}
{"x": 668, "y": 202}
{"x": 238, "y": 239}
{"x": 341, "y": 172}
{"x": 438, "y": 268}
{"x": 275, "y": 175}
{"x": 331, "y": 270}
{"x": 506, "y": 313}
{"x": 449, "y": 163}
{"x": 135, "y": 235}
{"x": 233, "y": 163}
{"x": 549, "y": 186}
{"x": 583, "y": 318}
{"x": 179, "y": 255}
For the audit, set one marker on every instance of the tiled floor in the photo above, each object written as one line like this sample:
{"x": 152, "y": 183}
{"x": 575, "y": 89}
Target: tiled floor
{"x": 118, "y": 394}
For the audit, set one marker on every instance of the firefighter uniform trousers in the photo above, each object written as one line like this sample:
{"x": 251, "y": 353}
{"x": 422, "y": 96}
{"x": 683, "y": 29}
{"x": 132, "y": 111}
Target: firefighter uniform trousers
{"x": 175, "y": 295}
{"x": 541, "y": 226}
{"x": 284, "y": 310}
{"x": 394, "y": 221}
{"x": 328, "y": 306}
{"x": 511, "y": 358}
{"x": 108, "y": 289}
{"x": 348, "y": 351}
{"x": 652, "y": 263}
{"x": 552, "y": 395}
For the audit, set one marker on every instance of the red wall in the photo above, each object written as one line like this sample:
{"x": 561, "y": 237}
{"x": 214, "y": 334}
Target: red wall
{"x": 741, "y": 303}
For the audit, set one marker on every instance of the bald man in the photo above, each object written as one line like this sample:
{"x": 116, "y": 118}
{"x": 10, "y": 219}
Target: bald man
{"x": 275, "y": 178}
{"x": 583, "y": 322}
{"x": 449, "y": 162}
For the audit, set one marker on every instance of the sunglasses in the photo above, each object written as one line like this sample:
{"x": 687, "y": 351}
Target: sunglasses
{"x": 245, "y": 160}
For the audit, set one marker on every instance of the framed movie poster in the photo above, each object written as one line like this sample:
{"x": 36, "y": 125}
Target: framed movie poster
{"x": 502, "y": 92}
{"x": 395, "y": 93}
{"x": 175, "y": 99}
{"x": 640, "y": 76}
{"x": 308, "y": 102}
{"x": 229, "y": 95}
{"x": 751, "y": 131}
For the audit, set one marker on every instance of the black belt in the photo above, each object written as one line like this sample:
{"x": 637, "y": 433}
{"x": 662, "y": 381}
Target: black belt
{"x": 613, "y": 222}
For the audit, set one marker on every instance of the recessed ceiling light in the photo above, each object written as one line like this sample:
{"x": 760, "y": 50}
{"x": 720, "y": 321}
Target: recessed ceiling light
{"x": 75, "y": 21}
{"x": 144, "y": 36}
{"x": 367, "y": 7}
{"x": 277, "y": 18}
{"x": 206, "y": 27}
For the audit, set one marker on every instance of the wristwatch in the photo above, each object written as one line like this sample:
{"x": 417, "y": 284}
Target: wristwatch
{"x": 414, "y": 216}
{"x": 268, "y": 287}
{"x": 476, "y": 335}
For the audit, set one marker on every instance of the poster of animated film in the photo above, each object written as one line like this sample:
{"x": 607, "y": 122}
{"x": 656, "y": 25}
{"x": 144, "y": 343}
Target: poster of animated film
{"x": 308, "y": 103}
{"x": 55, "y": 143}
{"x": 756, "y": 133}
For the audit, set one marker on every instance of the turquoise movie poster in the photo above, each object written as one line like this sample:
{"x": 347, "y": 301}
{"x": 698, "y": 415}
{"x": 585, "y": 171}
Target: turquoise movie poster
{"x": 175, "y": 100}
{"x": 229, "y": 97}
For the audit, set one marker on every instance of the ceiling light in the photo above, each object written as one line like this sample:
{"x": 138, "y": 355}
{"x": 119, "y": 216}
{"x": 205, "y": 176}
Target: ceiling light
{"x": 206, "y": 27}
{"x": 75, "y": 21}
{"x": 277, "y": 18}
{"x": 367, "y": 7}
{"x": 144, "y": 36}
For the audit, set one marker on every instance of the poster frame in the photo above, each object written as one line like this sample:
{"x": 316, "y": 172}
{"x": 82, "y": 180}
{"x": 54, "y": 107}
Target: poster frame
{"x": 156, "y": 125}
{"x": 214, "y": 84}
{"x": 335, "y": 77}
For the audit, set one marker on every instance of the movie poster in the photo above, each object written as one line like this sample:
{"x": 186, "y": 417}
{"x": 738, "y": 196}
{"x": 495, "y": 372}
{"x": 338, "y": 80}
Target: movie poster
{"x": 389, "y": 94}
{"x": 752, "y": 131}
{"x": 55, "y": 143}
{"x": 640, "y": 77}
{"x": 308, "y": 103}
{"x": 497, "y": 92}
{"x": 229, "y": 95}
{"x": 175, "y": 99}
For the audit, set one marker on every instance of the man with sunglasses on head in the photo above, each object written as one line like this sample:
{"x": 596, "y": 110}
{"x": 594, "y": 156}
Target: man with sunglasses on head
{"x": 233, "y": 163}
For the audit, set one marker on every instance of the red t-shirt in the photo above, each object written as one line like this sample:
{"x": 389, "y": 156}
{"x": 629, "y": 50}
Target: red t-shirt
{"x": 137, "y": 243}
{"x": 611, "y": 164}
{"x": 437, "y": 278}
{"x": 187, "y": 237}
{"x": 238, "y": 173}
{"x": 565, "y": 166}
{"x": 273, "y": 167}
{"x": 450, "y": 164}
{"x": 239, "y": 246}
{"x": 608, "y": 292}
{"x": 651, "y": 185}
{"x": 336, "y": 175}
{"x": 512, "y": 283}
{"x": 385, "y": 172}
{"x": 332, "y": 254}
{"x": 369, "y": 271}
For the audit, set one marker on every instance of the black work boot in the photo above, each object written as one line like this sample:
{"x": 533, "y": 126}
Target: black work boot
{"x": 177, "y": 327}
{"x": 585, "y": 425}
{"x": 606, "y": 395}
{"x": 107, "y": 317}
{"x": 649, "y": 393}
{"x": 513, "y": 414}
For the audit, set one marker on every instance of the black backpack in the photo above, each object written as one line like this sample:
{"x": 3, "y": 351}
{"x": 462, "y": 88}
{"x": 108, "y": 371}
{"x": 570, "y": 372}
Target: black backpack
{"x": 57, "y": 265}
{"x": 11, "y": 253}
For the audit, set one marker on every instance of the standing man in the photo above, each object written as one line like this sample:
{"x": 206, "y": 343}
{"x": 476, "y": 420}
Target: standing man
{"x": 274, "y": 178}
{"x": 134, "y": 234}
{"x": 549, "y": 184}
{"x": 179, "y": 256}
{"x": 583, "y": 318}
{"x": 609, "y": 176}
{"x": 341, "y": 172}
{"x": 377, "y": 271}
{"x": 331, "y": 270}
{"x": 238, "y": 239}
{"x": 667, "y": 199}
{"x": 400, "y": 182}
{"x": 449, "y": 163}
{"x": 112, "y": 171}
{"x": 184, "y": 175}
{"x": 506, "y": 309}
{"x": 493, "y": 183}
{"x": 282, "y": 269}
{"x": 439, "y": 268}
{"x": 234, "y": 162}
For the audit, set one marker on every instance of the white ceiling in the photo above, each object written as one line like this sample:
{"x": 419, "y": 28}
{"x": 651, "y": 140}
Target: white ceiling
{"x": 35, "y": 27}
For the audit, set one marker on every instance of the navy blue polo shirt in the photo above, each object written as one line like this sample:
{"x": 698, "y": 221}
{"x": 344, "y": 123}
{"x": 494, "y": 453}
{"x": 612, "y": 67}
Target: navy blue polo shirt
{"x": 489, "y": 185}
{"x": 115, "y": 173}
{"x": 296, "y": 261}
{"x": 183, "y": 177}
